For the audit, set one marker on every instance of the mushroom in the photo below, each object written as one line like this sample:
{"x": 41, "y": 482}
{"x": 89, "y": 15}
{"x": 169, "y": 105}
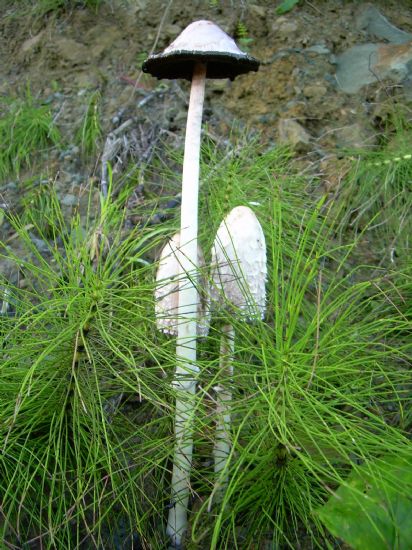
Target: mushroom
{"x": 167, "y": 288}
{"x": 238, "y": 277}
{"x": 202, "y": 50}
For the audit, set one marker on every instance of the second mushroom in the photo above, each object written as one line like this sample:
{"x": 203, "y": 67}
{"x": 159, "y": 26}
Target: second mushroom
{"x": 238, "y": 285}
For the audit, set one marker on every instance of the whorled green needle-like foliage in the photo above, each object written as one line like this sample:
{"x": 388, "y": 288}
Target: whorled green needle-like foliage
{"x": 317, "y": 390}
{"x": 83, "y": 429}
{"x": 26, "y": 129}
{"x": 320, "y": 386}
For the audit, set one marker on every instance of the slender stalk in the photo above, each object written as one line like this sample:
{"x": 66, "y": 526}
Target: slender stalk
{"x": 186, "y": 369}
{"x": 223, "y": 402}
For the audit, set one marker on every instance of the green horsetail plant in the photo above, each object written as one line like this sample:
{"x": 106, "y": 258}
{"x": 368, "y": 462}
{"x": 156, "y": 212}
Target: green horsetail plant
{"x": 317, "y": 389}
{"x": 84, "y": 434}
{"x": 27, "y": 129}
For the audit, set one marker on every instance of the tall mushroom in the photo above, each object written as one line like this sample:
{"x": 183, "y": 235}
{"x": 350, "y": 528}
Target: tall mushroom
{"x": 203, "y": 50}
{"x": 238, "y": 276}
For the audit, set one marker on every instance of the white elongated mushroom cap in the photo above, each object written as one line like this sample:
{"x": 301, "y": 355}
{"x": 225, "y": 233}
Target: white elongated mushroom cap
{"x": 239, "y": 263}
{"x": 205, "y": 42}
{"x": 167, "y": 291}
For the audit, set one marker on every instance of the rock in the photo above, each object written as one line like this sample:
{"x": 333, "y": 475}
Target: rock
{"x": 69, "y": 200}
{"x": 320, "y": 49}
{"x": 23, "y": 283}
{"x": 376, "y": 25}
{"x": 40, "y": 244}
{"x": 369, "y": 63}
{"x": 71, "y": 51}
{"x": 314, "y": 90}
{"x": 292, "y": 133}
{"x": 353, "y": 136}
{"x": 284, "y": 26}
{"x": 260, "y": 11}
{"x": 172, "y": 30}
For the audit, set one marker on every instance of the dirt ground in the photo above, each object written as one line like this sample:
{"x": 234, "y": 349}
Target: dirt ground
{"x": 64, "y": 54}
{"x": 294, "y": 98}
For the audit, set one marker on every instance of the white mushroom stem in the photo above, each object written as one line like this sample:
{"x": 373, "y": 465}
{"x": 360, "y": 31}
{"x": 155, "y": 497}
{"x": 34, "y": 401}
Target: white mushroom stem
{"x": 186, "y": 369}
{"x": 223, "y": 391}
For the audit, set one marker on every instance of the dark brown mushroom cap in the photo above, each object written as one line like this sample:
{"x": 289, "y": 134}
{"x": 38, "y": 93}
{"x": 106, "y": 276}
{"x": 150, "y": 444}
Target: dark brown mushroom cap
{"x": 205, "y": 42}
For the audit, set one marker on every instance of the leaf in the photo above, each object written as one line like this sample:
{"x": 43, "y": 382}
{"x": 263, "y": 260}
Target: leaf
{"x": 372, "y": 510}
{"x": 286, "y": 6}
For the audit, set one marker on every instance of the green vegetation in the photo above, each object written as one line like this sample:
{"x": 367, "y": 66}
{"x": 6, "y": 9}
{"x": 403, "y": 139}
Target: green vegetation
{"x": 77, "y": 342}
{"x": 286, "y": 6}
{"x": 90, "y": 132}
{"x": 321, "y": 390}
{"x": 38, "y": 207}
{"x": 376, "y": 193}
{"x": 45, "y": 7}
{"x": 372, "y": 508}
{"x": 242, "y": 35}
{"x": 27, "y": 130}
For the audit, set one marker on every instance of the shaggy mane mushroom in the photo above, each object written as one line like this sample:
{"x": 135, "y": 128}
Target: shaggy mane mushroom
{"x": 238, "y": 277}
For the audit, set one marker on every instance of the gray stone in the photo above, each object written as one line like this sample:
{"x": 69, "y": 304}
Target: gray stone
{"x": 40, "y": 244}
{"x": 320, "y": 49}
{"x": 69, "y": 200}
{"x": 292, "y": 133}
{"x": 376, "y": 25}
{"x": 260, "y": 11}
{"x": 314, "y": 90}
{"x": 370, "y": 63}
{"x": 284, "y": 26}
{"x": 353, "y": 136}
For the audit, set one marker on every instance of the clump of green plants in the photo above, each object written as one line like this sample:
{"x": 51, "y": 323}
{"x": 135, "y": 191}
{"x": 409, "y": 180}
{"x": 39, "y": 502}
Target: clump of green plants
{"x": 375, "y": 196}
{"x": 318, "y": 388}
{"x": 27, "y": 129}
{"x": 90, "y": 132}
{"x": 242, "y": 34}
{"x": 286, "y": 6}
{"x": 83, "y": 423}
{"x": 38, "y": 206}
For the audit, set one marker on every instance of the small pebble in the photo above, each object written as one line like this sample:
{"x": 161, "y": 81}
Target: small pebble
{"x": 69, "y": 200}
